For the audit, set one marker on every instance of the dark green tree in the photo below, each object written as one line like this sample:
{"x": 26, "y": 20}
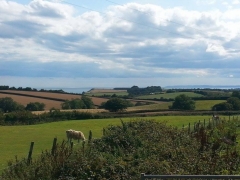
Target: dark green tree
{"x": 35, "y": 106}
{"x": 73, "y": 104}
{"x": 87, "y": 102}
{"x": 183, "y": 102}
{"x": 236, "y": 93}
{"x": 235, "y": 101}
{"x": 7, "y": 104}
{"x": 224, "y": 106}
{"x": 116, "y": 104}
{"x": 66, "y": 105}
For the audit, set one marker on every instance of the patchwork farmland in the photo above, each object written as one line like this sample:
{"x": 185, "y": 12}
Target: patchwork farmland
{"x": 51, "y": 100}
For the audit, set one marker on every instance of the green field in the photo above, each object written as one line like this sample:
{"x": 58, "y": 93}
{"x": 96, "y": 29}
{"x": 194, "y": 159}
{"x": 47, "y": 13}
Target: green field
{"x": 158, "y": 106}
{"x": 15, "y": 140}
{"x": 200, "y": 105}
{"x": 169, "y": 95}
{"x": 206, "y": 104}
{"x": 100, "y": 94}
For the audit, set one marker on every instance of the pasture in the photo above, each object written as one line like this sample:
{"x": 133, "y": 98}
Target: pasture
{"x": 15, "y": 140}
{"x": 25, "y": 97}
{"x": 160, "y": 105}
{"x": 207, "y": 104}
{"x": 169, "y": 95}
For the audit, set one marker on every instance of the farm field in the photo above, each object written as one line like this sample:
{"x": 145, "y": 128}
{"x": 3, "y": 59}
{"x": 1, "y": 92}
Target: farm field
{"x": 24, "y": 100}
{"x": 45, "y": 94}
{"x": 160, "y": 105}
{"x": 15, "y": 140}
{"x": 207, "y": 104}
{"x": 169, "y": 95}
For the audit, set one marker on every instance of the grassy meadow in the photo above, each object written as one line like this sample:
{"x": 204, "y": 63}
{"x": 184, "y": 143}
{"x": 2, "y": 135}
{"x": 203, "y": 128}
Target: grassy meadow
{"x": 169, "y": 95}
{"x": 200, "y": 105}
{"x": 15, "y": 140}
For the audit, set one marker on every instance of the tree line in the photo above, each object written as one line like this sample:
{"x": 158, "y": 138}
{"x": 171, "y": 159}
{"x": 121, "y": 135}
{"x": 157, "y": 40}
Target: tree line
{"x": 4, "y": 87}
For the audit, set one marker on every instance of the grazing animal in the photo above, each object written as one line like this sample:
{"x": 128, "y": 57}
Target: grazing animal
{"x": 76, "y": 135}
{"x": 215, "y": 117}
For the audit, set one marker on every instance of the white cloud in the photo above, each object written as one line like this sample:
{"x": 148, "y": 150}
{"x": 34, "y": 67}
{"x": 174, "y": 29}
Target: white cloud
{"x": 236, "y": 2}
{"x": 133, "y": 40}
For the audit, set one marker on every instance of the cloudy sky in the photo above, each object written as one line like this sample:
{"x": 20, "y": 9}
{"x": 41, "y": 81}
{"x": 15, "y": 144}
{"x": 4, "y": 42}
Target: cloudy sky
{"x": 119, "y": 43}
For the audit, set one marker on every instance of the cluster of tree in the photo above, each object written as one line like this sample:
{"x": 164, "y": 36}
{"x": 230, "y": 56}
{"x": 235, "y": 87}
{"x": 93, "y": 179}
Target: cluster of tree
{"x": 127, "y": 150}
{"x": 136, "y": 91}
{"x": 35, "y": 106}
{"x": 116, "y": 104}
{"x": 19, "y": 88}
{"x": 84, "y": 103}
{"x": 232, "y": 103}
{"x": 7, "y": 104}
{"x": 236, "y": 93}
{"x": 183, "y": 102}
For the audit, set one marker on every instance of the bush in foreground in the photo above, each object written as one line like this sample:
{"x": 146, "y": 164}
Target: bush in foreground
{"x": 126, "y": 151}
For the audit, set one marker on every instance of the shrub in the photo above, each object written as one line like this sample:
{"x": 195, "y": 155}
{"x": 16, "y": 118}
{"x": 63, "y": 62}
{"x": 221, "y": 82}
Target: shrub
{"x": 144, "y": 146}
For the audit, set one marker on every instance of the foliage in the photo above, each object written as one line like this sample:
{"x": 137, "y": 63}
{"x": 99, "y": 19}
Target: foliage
{"x": 35, "y": 106}
{"x": 233, "y": 103}
{"x": 222, "y": 106}
{"x": 27, "y": 117}
{"x": 20, "y": 117}
{"x": 135, "y": 147}
{"x": 183, "y": 102}
{"x": 7, "y": 104}
{"x": 116, "y": 104}
{"x": 83, "y": 103}
{"x": 87, "y": 102}
{"x": 236, "y": 93}
{"x": 136, "y": 91}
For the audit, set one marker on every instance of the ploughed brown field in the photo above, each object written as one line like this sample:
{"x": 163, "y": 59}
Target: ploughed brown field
{"x": 48, "y": 98}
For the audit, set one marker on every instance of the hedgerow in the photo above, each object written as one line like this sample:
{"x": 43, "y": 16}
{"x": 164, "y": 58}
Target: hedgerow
{"x": 144, "y": 146}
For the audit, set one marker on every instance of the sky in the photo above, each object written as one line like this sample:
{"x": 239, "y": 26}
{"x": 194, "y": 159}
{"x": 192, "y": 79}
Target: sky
{"x": 119, "y": 43}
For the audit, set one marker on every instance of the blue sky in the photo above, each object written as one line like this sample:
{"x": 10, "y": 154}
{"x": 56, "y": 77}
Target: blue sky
{"x": 119, "y": 43}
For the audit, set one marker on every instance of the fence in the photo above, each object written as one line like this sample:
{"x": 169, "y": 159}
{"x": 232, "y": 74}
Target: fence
{"x": 219, "y": 177}
{"x": 28, "y": 160}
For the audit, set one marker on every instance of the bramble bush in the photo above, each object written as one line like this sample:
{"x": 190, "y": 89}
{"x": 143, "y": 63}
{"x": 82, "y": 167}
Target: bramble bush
{"x": 132, "y": 148}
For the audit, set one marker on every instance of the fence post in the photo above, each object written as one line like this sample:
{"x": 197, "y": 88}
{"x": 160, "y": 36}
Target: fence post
{"x": 90, "y": 136}
{"x": 204, "y": 123}
{"x": 54, "y": 146}
{"x": 71, "y": 145}
{"x": 189, "y": 128}
{"x": 30, "y": 153}
{"x": 142, "y": 176}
